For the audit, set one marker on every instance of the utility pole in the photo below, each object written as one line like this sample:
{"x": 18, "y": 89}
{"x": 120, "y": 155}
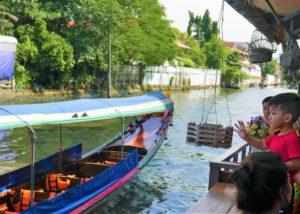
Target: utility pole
{"x": 109, "y": 65}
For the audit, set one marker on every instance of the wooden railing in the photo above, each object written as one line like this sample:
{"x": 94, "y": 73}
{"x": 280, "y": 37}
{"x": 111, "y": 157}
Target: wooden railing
{"x": 221, "y": 169}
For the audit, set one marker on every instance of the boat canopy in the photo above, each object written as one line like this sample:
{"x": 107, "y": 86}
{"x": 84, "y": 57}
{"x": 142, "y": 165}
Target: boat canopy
{"x": 82, "y": 110}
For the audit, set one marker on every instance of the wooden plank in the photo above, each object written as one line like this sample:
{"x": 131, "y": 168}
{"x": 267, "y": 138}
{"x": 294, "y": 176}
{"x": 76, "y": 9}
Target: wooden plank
{"x": 219, "y": 199}
{"x": 207, "y": 137}
{"x": 212, "y": 131}
{"x": 210, "y": 125}
{"x": 229, "y": 154}
{"x": 192, "y": 131}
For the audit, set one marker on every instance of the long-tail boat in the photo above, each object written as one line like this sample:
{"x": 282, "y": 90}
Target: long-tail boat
{"x": 69, "y": 181}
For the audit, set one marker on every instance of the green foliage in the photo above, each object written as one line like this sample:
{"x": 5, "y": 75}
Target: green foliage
{"x": 22, "y": 76}
{"x": 56, "y": 58}
{"x": 202, "y": 28}
{"x": 268, "y": 68}
{"x": 194, "y": 57}
{"x": 191, "y": 23}
{"x": 64, "y": 43}
{"x": 46, "y": 56}
{"x": 216, "y": 52}
{"x": 147, "y": 36}
{"x": 233, "y": 70}
{"x": 195, "y": 53}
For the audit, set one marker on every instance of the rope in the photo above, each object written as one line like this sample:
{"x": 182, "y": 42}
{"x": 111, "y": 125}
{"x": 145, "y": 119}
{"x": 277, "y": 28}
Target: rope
{"x": 230, "y": 120}
{"x": 204, "y": 93}
{"x": 221, "y": 20}
{"x": 214, "y": 100}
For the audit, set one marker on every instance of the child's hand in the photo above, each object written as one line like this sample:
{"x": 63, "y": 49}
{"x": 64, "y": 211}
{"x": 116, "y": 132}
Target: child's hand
{"x": 241, "y": 129}
{"x": 297, "y": 124}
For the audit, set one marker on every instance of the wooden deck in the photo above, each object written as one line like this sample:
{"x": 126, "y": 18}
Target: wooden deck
{"x": 221, "y": 196}
{"x": 220, "y": 199}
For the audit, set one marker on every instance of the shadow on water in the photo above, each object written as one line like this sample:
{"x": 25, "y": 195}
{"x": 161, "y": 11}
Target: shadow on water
{"x": 177, "y": 176}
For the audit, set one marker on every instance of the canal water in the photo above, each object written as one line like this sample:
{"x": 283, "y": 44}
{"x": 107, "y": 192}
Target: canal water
{"x": 177, "y": 176}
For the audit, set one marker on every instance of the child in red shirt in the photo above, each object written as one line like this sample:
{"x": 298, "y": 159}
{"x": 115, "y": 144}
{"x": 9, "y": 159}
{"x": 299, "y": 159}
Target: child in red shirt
{"x": 284, "y": 111}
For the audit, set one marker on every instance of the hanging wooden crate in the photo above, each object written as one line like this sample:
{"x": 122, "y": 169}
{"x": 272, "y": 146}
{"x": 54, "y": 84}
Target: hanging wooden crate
{"x": 213, "y": 135}
{"x": 192, "y": 132}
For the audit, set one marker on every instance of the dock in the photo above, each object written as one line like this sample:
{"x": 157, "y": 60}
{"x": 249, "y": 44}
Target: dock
{"x": 221, "y": 196}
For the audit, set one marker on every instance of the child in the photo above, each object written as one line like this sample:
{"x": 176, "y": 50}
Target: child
{"x": 259, "y": 127}
{"x": 262, "y": 183}
{"x": 284, "y": 111}
{"x": 297, "y": 126}
{"x": 297, "y": 176}
{"x": 266, "y": 107}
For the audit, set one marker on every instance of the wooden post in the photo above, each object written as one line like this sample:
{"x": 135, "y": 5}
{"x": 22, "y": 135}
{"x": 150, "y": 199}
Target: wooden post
{"x": 213, "y": 175}
{"x": 109, "y": 66}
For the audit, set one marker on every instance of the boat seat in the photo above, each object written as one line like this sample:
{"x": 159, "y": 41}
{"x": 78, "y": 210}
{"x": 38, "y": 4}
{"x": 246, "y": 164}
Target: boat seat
{"x": 112, "y": 156}
{"x": 10, "y": 201}
{"x": 5, "y": 201}
{"x": 40, "y": 196}
{"x": 90, "y": 169}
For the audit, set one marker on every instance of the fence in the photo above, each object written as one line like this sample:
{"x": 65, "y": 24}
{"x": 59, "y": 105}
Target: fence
{"x": 221, "y": 169}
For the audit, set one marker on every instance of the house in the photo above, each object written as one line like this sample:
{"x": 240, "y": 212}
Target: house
{"x": 252, "y": 70}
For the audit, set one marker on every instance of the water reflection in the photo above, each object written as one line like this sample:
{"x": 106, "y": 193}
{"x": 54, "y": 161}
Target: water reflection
{"x": 118, "y": 203}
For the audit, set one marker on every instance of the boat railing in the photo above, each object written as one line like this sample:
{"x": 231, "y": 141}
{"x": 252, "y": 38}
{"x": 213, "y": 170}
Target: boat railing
{"x": 222, "y": 168}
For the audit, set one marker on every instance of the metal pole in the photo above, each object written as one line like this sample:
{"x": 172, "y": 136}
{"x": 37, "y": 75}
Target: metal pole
{"x": 123, "y": 125}
{"x": 32, "y": 160}
{"x": 60, "y": 149}
{"x": 123, "y": 130}
{"x": 32, "y": 152}
{"x": 109, "y": 65}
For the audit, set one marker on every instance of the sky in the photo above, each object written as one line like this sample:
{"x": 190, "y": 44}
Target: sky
{"x": 235, "y": 28}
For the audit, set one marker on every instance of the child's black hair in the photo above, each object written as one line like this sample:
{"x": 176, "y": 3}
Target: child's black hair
{"x": 259, "y": 181}
{"x": 267, "y": 99}
{"x": 289, "y": 103}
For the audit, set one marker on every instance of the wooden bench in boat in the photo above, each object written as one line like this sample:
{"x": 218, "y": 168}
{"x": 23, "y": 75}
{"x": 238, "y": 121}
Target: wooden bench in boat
{"x": 220, "y": 199}
{"x": 90, "y": 169}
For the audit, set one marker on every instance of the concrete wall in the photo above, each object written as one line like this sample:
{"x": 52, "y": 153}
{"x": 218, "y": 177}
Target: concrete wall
{"x": 179, "y": 77}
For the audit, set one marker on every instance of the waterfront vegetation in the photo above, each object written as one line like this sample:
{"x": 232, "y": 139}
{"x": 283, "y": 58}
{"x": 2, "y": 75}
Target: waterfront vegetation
{"x": 64, "y": 44}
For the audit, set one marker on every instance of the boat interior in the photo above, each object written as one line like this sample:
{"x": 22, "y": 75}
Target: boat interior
{"x": 49, "y": 185}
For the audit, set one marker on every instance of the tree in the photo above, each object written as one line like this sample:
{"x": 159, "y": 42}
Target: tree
{"x": 206, "y": 26}
{"x": 198, "y": 30}
{"x": 233, "y": 70}
{"x": 65, "y": 42}
{"x": 202, "y": 28}
{"x": 268, "y": 68}
{"x": 191, "y": 23}
{"x": 216, "y": 52}
{"x": 146, "y": 36}
{"x": 193, "y": 57}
